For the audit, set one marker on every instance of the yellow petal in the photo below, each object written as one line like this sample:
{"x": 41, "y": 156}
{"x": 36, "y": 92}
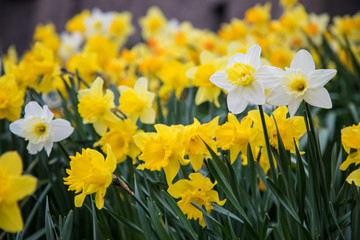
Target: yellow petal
{"x": 10, "y": 218}
{"x": 352, "y": 158}
{"x": 196, "y": 161}
{"x": 354, "y": 177}
{"x": 214, "y": 197}
{"x": 171, "y": 170}
{"x": 110, "y": 159}
{"x": 79, "y": 199}
{"x": 179, "y": 187}
{"x": 10, "y": 162}
{"x": 99, "y": 198}
{"x": 21, "y": 187}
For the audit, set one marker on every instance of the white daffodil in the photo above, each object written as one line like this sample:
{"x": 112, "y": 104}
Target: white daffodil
{"x": 299, "y": 82}
{"x": 40, "y": 129}
{"x": 240, "y": 80}
{"x": 98, "y": 22}
{"x": 70, "y": 44}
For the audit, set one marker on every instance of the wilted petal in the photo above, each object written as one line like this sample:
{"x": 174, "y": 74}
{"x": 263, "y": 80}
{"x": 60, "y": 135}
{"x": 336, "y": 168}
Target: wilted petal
{"x": 303, "y": 61}
{"x": 318, "y": 97}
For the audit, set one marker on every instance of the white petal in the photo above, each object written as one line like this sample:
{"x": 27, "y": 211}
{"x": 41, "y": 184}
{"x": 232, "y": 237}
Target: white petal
{"x": 278, "y": 97}
{"x": 48, "y": 146}
{"x": 269, "y": 76}
{"x": 33, "y": 109}
{"x": 47, "y": 114}
{"x": 237, "y": 57}
{"x": 318, "y": 97}
{"x": 60, "y": 129}
{"x": 254, "y": 93}
{"x": 34, "y": 148}
{"x": 320, "y": 77}
{"x": 141, "y": 85}
{"x": 220, "y": 80}
{"x": 252, "y": 56}
{"x": 294, "y": 105}
{"x": 303, "y": 61}
{"x": 236, "y": 103}
{"x": 16, "y": 127}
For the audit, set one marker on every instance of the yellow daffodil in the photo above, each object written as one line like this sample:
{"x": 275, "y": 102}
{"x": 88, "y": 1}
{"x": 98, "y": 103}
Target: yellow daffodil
{"x": 162, "y": 150}
{"x": 350, "y": 138}
{"x": 95, "y": 106}
{"x": 195, "y": 134}
{"x": 201, "y": 74}
{"x": 120, "y": 138}
{"x": 47, "y": 35}
{"x": 11, "y": 99}
{"x": 197, "y": 190}
{"x": 89, "y": 173}
{"x": 235, "y": 136}
{"x": 14, "y": 187}
{"x": 121, "y": 27}
{"x": 86, "y": 64}
{"x": 76, "y": 23}
{"x": 153, "y": 23}
{"x": 40, "y": 129}
{"x": 258, "y": 15}
{"x": 137, "y": 102}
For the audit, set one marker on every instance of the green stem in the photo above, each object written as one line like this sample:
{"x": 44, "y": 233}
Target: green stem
{"x": 267, "y": 143}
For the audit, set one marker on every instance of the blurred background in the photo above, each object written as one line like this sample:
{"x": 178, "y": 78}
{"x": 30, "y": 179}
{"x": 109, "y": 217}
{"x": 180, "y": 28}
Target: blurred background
{"x": 18, "y": 18}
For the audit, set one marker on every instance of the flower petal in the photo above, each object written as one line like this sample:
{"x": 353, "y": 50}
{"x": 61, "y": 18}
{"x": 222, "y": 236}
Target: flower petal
{"x": 47, "y": 114}
{"x": 278, "y": 97}
{"x": 171, "y": 170}
{"x": 293, "y": 105}
{"x": 354, "y": 177}
{"x": 11, "y": 163}
{"x": 34, "y": 148}
{"x": 254, "y": 93}
{"x": 303, "y": 61}
{"x": 16, "y": 127}
{"x": 320, "y": 77}
{"x": 48, "y": 146}
{"x": 179, "y": 188}
{"x": 21, "y": 187}
{"x": 147, "y": 116}
{"x": 196, "y": 161}
{"x": 33, "y": 109}
{"x": 269, "y": 76}
{"x": 11, "y": 220}
{"x": 236, "y": 103}
{"x": 214, "y": 197}
{"x": 252, "y": 56}
{"x": 318, "y": 97}
{"x": 237, "y": 57}
{"x": 220, "y": 80}
{"x": 60, "y": 129}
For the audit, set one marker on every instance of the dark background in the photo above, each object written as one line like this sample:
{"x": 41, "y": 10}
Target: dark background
{"x": 18, "y": 18}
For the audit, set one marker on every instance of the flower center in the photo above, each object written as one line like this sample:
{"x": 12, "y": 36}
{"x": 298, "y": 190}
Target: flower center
{"x": 296, "y": 83}
{"x": 240, "y": 74}
{"x": 40, "y": 128}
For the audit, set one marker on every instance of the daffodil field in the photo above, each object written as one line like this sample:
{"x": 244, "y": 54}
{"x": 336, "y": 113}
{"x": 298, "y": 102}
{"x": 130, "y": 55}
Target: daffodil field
{"x": 249, "y": 132}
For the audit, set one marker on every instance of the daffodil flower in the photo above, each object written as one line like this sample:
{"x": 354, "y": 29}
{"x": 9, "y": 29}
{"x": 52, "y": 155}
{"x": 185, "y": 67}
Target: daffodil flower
{"x": 299, "y": 82}
{"x": 240, "y": 80}
{"x": 39, "y": 128}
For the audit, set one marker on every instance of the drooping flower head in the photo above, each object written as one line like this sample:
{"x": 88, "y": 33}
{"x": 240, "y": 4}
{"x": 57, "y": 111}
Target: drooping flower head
{"x": 95, "y": 106}
{"x": 89, "y": 173}
{"x": 137, "y": 102}
{"x": 240, "y": 80}
{"x": 350, "y": 138}
{"x": 14, "y": 187}
{"x": 197, "y": 190}
{"x": 11, "y": 99}
{"x": 299, "y": 82}
{"x": 39, "y": 128}
{"x": 162, "y": 150}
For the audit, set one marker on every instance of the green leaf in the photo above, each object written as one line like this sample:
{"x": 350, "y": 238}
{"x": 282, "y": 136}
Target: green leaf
{"x": 65, "y": 232}
{"x": 158, "y": 225}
